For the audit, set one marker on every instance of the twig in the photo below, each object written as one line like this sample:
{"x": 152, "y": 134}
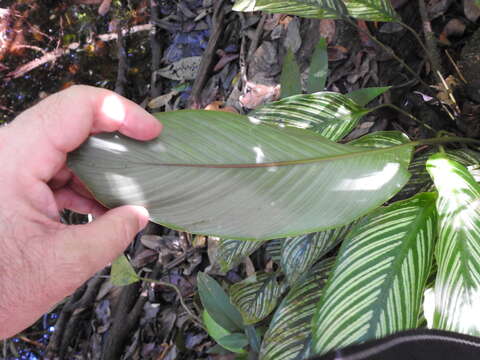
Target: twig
{"x": 194, "y": 317}
{"x": 156, "y": 46}
{"x": 430, "y": 47}
{"x": 257, "y": 36}
{"x": 55, "y": 54}
{"x": 455, "y": 66}
{"x": 406, "y": 114}
{"x": 208, "y": 55}
{"x": 389, "y": 51}
{"x": 122, "y": 72}
{"x": 32, "y": 342}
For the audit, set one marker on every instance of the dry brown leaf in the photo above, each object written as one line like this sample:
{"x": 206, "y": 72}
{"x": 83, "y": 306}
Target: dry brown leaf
{"x": 471, "y": 11}
{"x": 258, "y": 94}
{"x": 220, "y": 106}
{"x": 454, "y": 27}
{"x": 182, "y": 70}
{"x": 327, "y": 30}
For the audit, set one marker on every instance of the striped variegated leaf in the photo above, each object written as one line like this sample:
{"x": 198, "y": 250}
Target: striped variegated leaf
{"x": 301, "y": 252}
{"x": 274, "y": 250}
{"x": 329, "y": 114}
{"x": 231, "y": 252}
{"x": 223, "y": 174}
{"x": 289, "y": 332}
{"x": 373, "y": 10}
{"x": 421, "y": 180}
{"x": 381, "y": 139}
{"x": 457, "y": 285}
{"x": 320, "y": 9}
{"x": 256, "y": 296}
{"x": 379, "y": 275}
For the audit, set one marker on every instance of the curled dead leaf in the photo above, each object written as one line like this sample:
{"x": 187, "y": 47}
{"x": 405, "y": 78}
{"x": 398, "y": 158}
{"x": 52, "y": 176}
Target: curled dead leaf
{"x": 220, "y": 106}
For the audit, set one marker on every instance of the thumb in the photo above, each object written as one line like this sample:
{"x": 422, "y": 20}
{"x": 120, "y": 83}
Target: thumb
{"x": 88, "y": 248}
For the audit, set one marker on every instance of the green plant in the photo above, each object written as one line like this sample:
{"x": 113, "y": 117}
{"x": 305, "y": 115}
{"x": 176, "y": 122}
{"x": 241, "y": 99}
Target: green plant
{"x": 279, "y": 174}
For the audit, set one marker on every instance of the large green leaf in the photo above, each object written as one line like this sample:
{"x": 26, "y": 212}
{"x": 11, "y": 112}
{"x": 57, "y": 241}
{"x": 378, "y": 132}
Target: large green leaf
{"x": 290, "y": 80}
{"x": 318, "y": 70}
{"x": 329, "y": 114}
{"x": 321, "y": 9}
{"x": 256, "y": 296}
{"x": 218, "y": 305}
{"x": 218, "y": 173}
{"x": 379, "y": 276}
{"x": 373, "y": 10}
{"x": 222, "y": 336}
{"x": 457, "y": 285}
{"x": 231, "y": 252}
{"x": 363, "y": 96}
{"x": 289, "y": 331}
{"x": 301, "y": 252}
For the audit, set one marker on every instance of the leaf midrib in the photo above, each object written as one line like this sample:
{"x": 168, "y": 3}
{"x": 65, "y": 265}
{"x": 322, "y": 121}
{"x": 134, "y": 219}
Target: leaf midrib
{"x": 282, "y": 163}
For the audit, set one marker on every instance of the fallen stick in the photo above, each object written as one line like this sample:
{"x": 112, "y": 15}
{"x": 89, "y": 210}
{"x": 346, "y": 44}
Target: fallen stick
{"x": 55, "y": 54}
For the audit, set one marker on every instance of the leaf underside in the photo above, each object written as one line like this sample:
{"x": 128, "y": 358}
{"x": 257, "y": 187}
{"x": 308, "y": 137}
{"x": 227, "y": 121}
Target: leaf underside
{"x": 217, "y": 173}
{"x": 379, "y": 276}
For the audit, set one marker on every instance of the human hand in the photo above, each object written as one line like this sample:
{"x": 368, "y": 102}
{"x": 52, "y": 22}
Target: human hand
{"x": 41, "y": 259}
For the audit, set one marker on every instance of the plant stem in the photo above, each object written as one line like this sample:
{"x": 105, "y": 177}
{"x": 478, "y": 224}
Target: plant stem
{"x": 193, "y": 317}
{"x": 406, "y": 114}
{"x": 388, "y": 50}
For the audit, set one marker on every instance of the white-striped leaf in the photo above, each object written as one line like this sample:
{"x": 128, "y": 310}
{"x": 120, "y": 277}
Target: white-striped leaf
{"x": 230, "y": 252}
{"x": 457, "y": 285}
{"x": 421, "y": 180}
{"x": 289, "y": 332}
{"x": 329, "y": 114}
{"x": 373, "y": 10}
{"x": 379, "y": 276}
{"x": 217, "y": 173}
{"x": 274, "y": 250}
{"x": 321, "y": 9}
{"x": 301, "y": 252}
{"x": 381, "y": 139}
{"x": 256, "y": 296}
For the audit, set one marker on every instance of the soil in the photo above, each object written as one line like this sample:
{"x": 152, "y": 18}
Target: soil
{"x": 169, "y": 55}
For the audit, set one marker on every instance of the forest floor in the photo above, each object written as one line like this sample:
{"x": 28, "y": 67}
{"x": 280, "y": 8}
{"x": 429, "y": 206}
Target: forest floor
{"x": 169, "y": 55}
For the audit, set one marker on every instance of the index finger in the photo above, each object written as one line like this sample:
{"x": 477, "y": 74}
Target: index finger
{"x": 63, "y": 121}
